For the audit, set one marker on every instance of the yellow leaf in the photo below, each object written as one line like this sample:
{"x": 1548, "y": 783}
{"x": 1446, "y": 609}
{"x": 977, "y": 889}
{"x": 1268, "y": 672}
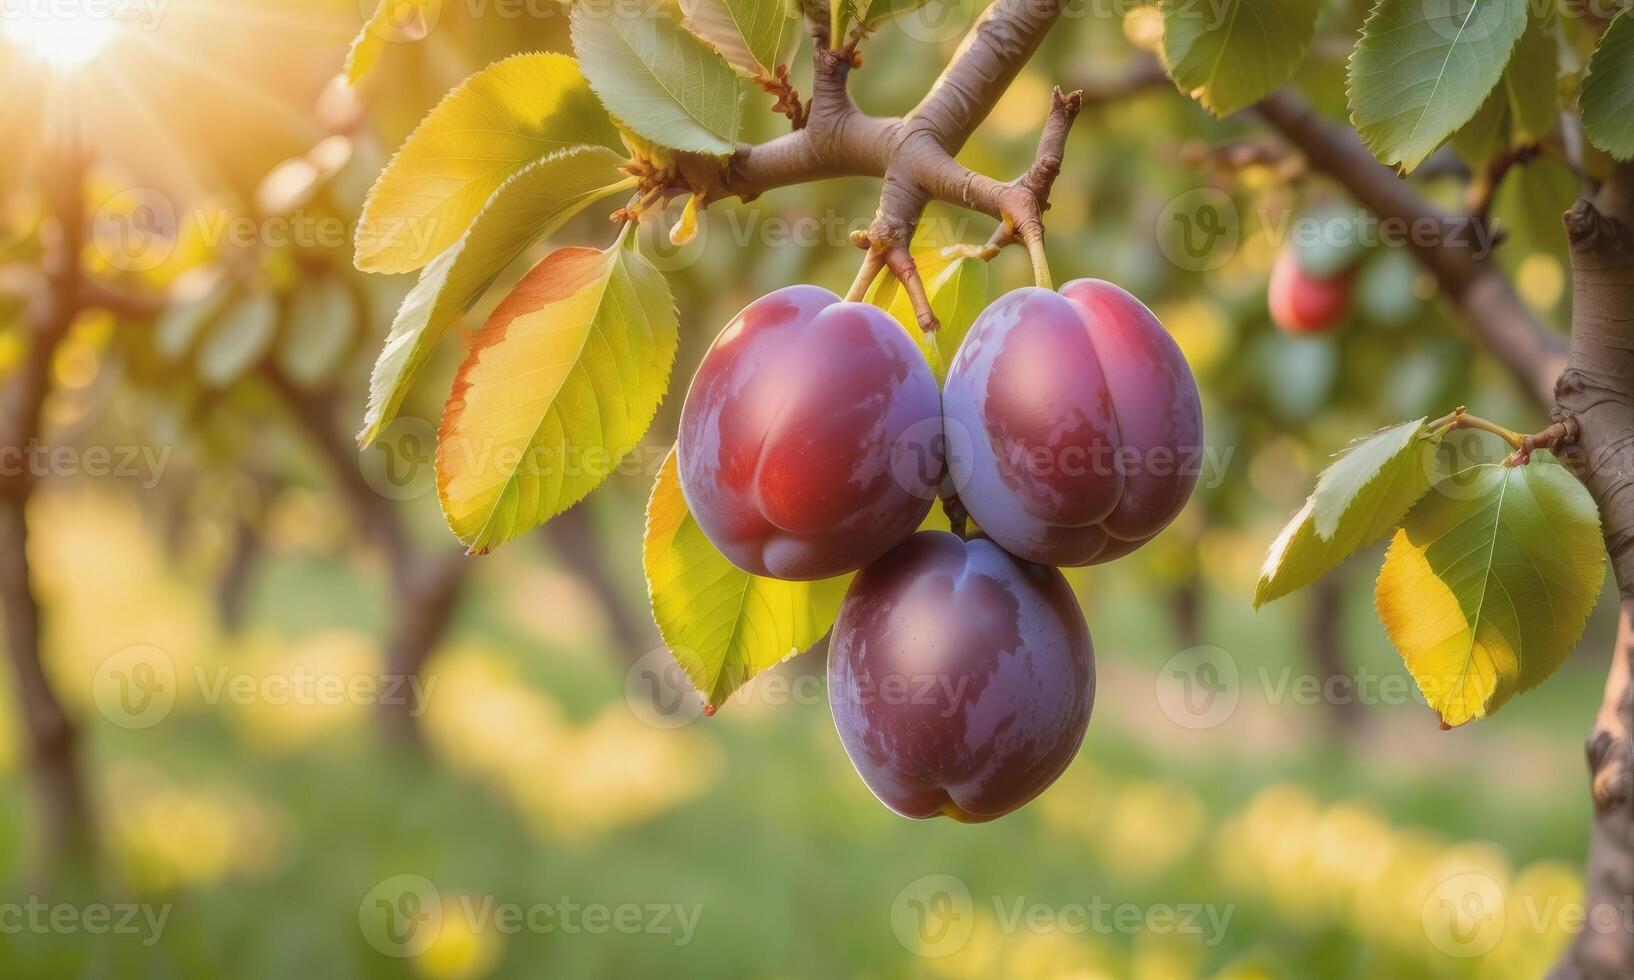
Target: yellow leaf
{"x": 721, "y": 624}
{"x": 557, "y": 388}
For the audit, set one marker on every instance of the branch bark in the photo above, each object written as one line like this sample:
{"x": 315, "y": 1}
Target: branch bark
{"x": 1597, "y": 392}
{"x": 1478, "y": 291}
{"x": 53, "y": 736}
{"x": 425, "y": 590}
{"x": 913, "y": 155}
{"x": 1588, "y": 386}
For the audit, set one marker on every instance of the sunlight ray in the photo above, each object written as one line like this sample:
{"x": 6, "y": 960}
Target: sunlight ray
{"x": 299, "y": 124}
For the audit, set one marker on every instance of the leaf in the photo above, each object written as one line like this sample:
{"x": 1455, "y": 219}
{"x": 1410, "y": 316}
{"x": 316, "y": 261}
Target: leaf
{"x": 659, "y": 80}
{"x": 392, "y": 21}
{"x": 321, "y": 326}
{"x": 1231, "y": 55}
{"x": 1358, "y": 500}
{"x": 531, "y": 206}
{"x": 1485, "y": 589}
{"x": 176, "y": 329}
{"x": 872, "y": 15}
{"x": 1530, "y": 81}
{"x": 723, "y": 625}
{"x": 1487, "y": 132}
{"x": 558, "y": 386}
{"x": 957, "y": 289}
{"x": 238, "y": 340}
{"x": 496, "y": 124}
{"x": 1423, "y": 68}
{"x": 1529, "y": 204}
{"x": 747, "y": 33}
{"x": 1607, "y": 96}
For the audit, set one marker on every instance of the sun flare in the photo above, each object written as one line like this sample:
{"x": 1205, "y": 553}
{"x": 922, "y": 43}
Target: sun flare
{"x": 65, "y": 41}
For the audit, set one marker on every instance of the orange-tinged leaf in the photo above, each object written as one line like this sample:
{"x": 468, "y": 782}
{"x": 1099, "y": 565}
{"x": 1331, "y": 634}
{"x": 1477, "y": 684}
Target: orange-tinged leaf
{"x": 556, "y": 389}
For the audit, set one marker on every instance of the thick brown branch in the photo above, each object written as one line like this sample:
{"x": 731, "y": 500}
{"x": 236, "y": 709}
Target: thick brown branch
{"x": 1443, "y": 243}
{"x": 1596, "y": 396}
{"x": 912, "y": 155}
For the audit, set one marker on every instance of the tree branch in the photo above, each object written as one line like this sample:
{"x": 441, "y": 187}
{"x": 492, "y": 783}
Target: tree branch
{"x": 1479, "y": 292}
{"x": 914, "y": 155}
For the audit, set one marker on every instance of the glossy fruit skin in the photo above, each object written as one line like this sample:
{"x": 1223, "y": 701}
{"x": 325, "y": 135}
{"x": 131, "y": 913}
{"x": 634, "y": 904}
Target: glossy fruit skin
{"x": 1074, "y": 427}
{"x": 1303, "y": 304}
{"x": 790, "y": 430}
{"x": 961, "y": 679}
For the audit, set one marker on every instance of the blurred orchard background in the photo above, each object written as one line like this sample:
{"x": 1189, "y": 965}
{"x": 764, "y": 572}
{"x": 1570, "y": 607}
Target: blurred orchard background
{"x": 224, "y": 581}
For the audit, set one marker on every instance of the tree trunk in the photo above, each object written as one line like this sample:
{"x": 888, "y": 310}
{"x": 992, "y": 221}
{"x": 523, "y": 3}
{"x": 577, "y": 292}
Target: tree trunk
{"x": 1186, "y": 607}
{"x": 1325, "y": 646}
{"x": 573, "y": 539}
{"x": 426, "y": 595}
{"x": 1597, "y": 392}
{"x": 52, "y": 736}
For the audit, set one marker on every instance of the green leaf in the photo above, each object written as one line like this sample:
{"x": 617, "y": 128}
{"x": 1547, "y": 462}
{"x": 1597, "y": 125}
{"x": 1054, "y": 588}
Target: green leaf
{"x": 872, "y": 15}
{"x": 721, "y": 624}
{"x": 1231, "y": 55}
{"x": 747, "y": 33}
{"x": 1530, "y": 81}
{"x": 1422, "y": 70}
{"x": 495, "y": 125}
{"x": 238, "y": 340}
{"x": 320, "y": 328}
{"x": 532, "y": 205}
{"x": 1487, "y": 132}
{"x": 659, "y": 80}
{"x": 558, "y": 386}
{"x": 393, "y": 21}
{"x": 1607, "y": 96}
{"x": 1529, "y": 204}
{"x": 957, "y": 289}
{"x": 1358, "y": 500}
{"x": 1486, "y": 587}
{"x": 178, "y": 327}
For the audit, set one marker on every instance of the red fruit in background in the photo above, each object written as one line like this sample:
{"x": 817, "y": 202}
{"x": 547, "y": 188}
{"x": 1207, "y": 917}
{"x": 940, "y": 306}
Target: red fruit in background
{"x": 790, "y": 431}
{"x": 1302, "y": 303}
{"x": 961, "y": 678}
{"x": 1074, "y": 427}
